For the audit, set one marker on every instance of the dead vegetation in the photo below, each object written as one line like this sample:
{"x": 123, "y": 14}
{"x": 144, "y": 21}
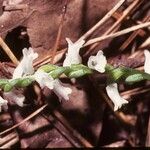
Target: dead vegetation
{"x": 120, "y": 29}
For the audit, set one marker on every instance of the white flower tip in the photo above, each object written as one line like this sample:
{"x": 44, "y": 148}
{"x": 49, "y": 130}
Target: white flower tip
{"x": 147, "y": 61}
{"x": 73, "y": 57}
{"x": 25, "y": 66}
{"x": 69, "y": 41}
{"x": 98, "y": 62}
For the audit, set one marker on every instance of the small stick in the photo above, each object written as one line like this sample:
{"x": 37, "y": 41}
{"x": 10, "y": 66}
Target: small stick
{"x": 116, "y": 34}
{"x": 59, "y": 32}
{"x": 60, "y": 117}
{"x": 146, "y": 43}
{"x": 124, "y": 15}
{"x": 97, "y": 25}
{"x": 147, "y": 144}
{"x": 10, "y": 143}
{"x": 15, "y": 7}
{"x": 7, "y": 138}
{"x": 8, "y": 51}
{"x": 102, "y": 21}
{"x": 26, "y": 119}
{"x": 115, "y": 26}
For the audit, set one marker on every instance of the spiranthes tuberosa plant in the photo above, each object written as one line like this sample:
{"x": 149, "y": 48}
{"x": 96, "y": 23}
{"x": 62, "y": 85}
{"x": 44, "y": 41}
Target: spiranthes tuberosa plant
{"x": 48, "y": 75}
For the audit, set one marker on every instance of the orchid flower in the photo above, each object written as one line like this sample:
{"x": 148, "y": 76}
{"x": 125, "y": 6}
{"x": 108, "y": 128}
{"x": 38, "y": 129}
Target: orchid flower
{"x": 25, "y": 67}
{"x": 61, "y": 91}
{"x": 97, "y": 62}
{"x": 147, "y": 61}
{"x": 73, "y": 57}
{"x": 16, "y": 98}
{"x": 2, "y": 102}
{"x": 112, "y": 91}
{"x": 44, "y": 79}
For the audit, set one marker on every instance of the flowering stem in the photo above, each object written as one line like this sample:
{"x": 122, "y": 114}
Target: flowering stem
{"x": 128, "y": 75}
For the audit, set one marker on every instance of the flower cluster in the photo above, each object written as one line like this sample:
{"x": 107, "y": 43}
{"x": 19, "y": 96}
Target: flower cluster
{"x": 99, "y": 63}
{"x": 47, "y": 77}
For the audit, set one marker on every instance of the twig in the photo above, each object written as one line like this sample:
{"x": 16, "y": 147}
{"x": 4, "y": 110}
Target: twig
{"x": 102, "y": 21}
{"x": 133, "y": 35}
{"x": 7, "y": 138}
{"x": 147, "y": 143}
{"x": 10, "y": 143}
{"x": 15, "y": 7}
{"x": 97, "y": 25}
{"x": 117, "y": 114}
{"x": 119, "y": 33}
{"x": 59, "y": 32}
{"x": 129, "y": 93}
{"x": 124, "y": 15}
{"x": 146, "y": 43}
{"x": 115, "y": 26}
{"x": 26, "y": 119}
{"x": 62, "y": 130}
{"x": 60, "y": 117}
{"x": 8, "y": 51}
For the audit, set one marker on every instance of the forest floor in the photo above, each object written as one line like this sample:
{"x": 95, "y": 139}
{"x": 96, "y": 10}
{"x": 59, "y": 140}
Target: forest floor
{"x": 87, "y": 119}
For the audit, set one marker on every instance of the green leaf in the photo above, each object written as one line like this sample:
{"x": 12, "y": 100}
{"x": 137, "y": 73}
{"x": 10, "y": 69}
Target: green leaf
{"x": 57, "y": 72}
{"x": 3, "y": 82}
{"x": 48, "y": 68}
{"x": 78, "y": 70}
{"x": 8, "y": 87}
{"x": 134, "y": 78}
{"x": 25, "y": 82}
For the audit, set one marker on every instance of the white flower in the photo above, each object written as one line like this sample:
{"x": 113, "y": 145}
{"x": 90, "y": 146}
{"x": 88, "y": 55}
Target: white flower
{"x": 97, "y": 62}
{"x": 147, "y": 61}
{"x": 2, "y": 103}
{"x": 73, "y": 57}
{"x": 44, "y": 79}
{"x": 61, "y": 91}
{"x": 25, "y": 67}
{"x": 112, "y": 91}
{"x": 17, "y": 98}
{"x": 54, "y": 84}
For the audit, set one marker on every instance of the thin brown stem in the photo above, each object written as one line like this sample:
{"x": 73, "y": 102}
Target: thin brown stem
{"x": 26, "y": 119}
{"x": 119, "y": 33}
{"x": 102, "y": 21}
{"x": 8, "y": 51}
{"x": 59, "y": 32}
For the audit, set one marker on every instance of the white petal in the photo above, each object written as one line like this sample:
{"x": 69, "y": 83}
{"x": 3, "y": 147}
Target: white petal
{"x": 61, "y": 91}
{"x": 73, "y": 57}
{"x": 147, "y": 61}
{"x": 25, "y": 67}
{"x": 113, "y": 93}
{"x": 44, "y": 79}
{"x": 17, "y": 98}
{"x": 2, "y": 102}
{"x": 97, "y": 62}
